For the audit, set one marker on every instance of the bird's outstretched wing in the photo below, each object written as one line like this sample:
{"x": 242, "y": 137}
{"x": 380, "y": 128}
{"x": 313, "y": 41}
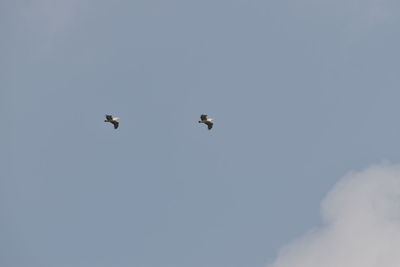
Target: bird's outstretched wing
{"x": 203, "y": 117}
{"x": 109, "y": 117}
{"x": 116, "y": 124}
{"x": 209, "y": 124}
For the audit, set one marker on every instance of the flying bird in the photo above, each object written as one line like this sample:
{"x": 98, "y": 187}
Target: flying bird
{"x": 113, "y": 120}
{"x": 207, "y": 121}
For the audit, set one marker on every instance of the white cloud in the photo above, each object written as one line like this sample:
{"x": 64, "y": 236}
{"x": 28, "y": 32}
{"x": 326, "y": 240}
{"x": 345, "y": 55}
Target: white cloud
{"x": 361, "y": 225}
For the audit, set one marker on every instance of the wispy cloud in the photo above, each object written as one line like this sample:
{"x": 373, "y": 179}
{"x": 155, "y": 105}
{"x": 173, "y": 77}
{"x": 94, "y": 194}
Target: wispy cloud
{"x": 43, "y": 21}
{"x": 361, "y": 224}
{"x": 367, "y": 15}
{"x": 369, "y": 11}
{"x": 356, "y": 18}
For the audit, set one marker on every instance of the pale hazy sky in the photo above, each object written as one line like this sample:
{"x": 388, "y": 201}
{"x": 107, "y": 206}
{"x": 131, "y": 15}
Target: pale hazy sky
{"x": 302, "y": 91}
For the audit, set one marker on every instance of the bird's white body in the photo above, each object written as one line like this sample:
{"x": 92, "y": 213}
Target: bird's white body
{"x": 207, "y": 120}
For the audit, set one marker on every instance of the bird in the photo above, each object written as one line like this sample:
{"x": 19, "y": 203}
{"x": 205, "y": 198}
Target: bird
{"x": 207, "y": 121}
{"x": 113, "y": 120}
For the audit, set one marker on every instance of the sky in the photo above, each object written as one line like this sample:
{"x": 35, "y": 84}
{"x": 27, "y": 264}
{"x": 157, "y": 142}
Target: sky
{"x": 304, "y": 147}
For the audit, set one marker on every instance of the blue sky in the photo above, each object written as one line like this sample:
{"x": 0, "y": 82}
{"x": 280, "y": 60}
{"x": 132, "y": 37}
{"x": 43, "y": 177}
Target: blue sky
{"x": 302, "y": 92}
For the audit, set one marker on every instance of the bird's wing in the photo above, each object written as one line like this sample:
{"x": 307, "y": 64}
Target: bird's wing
{"x": 109, "y": 117}
{"x": 203, "y": 117}
{"x": 209, "y": 124}
{"x": 116, "y": 124}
